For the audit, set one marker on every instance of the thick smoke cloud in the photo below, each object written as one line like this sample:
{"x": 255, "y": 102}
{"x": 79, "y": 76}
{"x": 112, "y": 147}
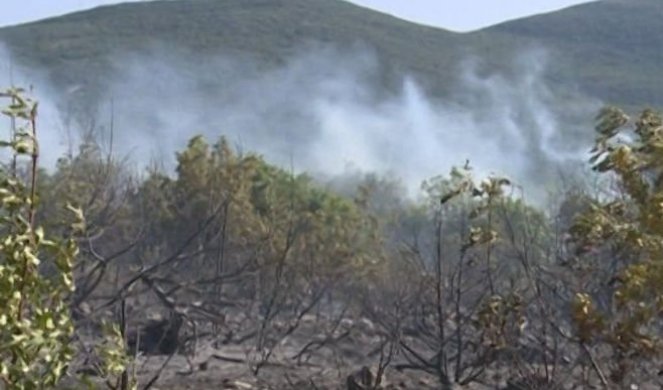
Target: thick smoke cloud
{"x": 320, "y": 112}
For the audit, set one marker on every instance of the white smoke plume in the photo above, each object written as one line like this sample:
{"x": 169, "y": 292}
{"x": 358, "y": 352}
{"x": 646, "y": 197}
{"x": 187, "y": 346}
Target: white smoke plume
{"x": 320, "y": 112}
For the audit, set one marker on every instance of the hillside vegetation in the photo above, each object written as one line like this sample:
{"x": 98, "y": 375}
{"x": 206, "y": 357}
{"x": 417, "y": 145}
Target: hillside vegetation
{"x": 231, "y": 272}
{"x": 234, "y": 272}
{"x": 607, "y": 49}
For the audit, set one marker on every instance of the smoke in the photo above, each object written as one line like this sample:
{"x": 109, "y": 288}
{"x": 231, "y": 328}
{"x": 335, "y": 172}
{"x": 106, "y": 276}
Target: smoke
{"x": 322, "y": 112}
{"x": 55, "y": 138}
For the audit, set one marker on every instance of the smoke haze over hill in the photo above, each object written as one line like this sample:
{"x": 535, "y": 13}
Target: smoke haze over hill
{"x": 320, "y": 112}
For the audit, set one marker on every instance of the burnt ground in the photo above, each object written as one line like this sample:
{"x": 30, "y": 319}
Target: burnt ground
{"x": 315, "y": 356}
{"x": 305, "y": 359}
{"x": 314, "y": 351}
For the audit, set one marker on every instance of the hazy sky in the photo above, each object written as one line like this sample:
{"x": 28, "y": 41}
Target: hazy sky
{"x": 460, "y": 15}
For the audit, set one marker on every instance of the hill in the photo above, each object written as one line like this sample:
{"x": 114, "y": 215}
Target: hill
{"x": 77, "y": 47}
{"x": 609, "y": 48}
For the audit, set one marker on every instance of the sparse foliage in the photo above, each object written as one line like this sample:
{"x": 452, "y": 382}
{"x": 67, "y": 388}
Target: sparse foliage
{"x": 629, "y": 227}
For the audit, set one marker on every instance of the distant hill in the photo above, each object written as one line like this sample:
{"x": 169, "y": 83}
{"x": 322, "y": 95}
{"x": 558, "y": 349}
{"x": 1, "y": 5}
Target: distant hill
{"x": 609, "y": 49}
{"x": 77, "y": 46}
{"x": 612, "y": 48}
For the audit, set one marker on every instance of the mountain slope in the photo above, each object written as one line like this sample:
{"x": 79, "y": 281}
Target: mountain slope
{"x": 78, "y": 45}
{"x": 611, "y": 49}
